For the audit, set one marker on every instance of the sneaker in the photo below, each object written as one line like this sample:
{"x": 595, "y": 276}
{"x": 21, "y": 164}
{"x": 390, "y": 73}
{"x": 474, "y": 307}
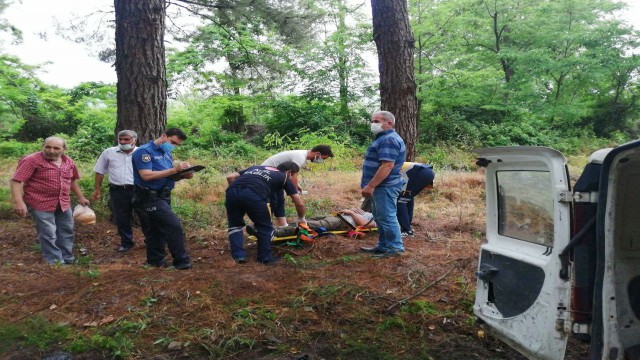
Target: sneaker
{"x": 407, "y": 233}
{"x": 387, "y": 254}
{"x": 251, "y": 230}
{"x": 372, "y": 250}
{"x": 240, "y": 260}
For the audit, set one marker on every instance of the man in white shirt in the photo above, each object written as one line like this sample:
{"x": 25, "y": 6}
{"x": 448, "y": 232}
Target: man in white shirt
{"x": 317, "y": 155}
{"x": 116, "y": 162}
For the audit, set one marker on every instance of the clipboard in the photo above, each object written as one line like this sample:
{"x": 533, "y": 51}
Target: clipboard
{"x": 178, "y": 175}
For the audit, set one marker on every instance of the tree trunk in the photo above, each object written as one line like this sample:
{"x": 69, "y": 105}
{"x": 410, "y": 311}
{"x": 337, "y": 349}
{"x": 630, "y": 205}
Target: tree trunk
{"x": 140, "y": 66}
{"x": 394, "y": 41}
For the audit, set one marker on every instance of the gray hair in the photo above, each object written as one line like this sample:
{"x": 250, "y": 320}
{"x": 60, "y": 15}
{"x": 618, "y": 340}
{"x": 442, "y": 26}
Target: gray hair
{"x": 129, "y": 133}
{"x": 64, "y": 142}
{"x": 387, "y": 115}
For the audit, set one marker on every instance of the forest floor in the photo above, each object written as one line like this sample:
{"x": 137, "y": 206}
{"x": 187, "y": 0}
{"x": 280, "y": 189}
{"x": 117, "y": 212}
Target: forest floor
{"x": 321, "y": 301}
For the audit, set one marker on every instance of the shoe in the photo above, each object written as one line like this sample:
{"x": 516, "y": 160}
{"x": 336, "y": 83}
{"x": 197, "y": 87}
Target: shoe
{"x": 372, "y": 250}
{"x": 71, "y": 262}
{"x": 240, "y": 260}
{"x": 270, "y": 262}
{"x": 251, "y": 230}
{"x": 407, "y": 233}
{"x": 183, "y": 266}
{"x": 387, "y": 254}
{"x": 158, "y": 265}
{"x": 123, "y": 248}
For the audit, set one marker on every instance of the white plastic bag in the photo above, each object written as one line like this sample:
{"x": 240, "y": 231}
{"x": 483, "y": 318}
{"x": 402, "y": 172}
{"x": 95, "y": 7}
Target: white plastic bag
{"x": 84, "y": 215}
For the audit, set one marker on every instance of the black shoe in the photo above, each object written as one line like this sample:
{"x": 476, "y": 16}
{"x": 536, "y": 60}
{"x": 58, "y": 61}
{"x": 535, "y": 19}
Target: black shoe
{"x": 158, "y": 265}
{"x": 372, "y": 250}
{"x": 124, "y": 248}
{"x": 251, "y": 230}
{"x": 407, "y": 233}
{"x": 270, "y": 262}
{"x": 71, "y": 262}
{"x": 183, "y": 266}
{"x": 240, "y": 260}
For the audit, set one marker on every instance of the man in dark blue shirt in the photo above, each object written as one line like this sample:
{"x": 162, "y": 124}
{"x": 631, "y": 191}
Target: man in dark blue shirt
{"x": 248, "y": 193}
{"x": 382, "y": 182}
{"x": 152, "y": 168}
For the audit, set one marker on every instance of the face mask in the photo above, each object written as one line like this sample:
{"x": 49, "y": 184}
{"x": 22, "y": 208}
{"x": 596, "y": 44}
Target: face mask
{"x": 126, "y": 147}
{"x": 167, "y": 146}
{"x": 318, "y": 159}
{"x": 376, "y": 127}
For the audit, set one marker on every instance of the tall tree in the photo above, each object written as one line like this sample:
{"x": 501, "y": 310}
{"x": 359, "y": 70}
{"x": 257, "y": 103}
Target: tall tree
{"x": 140, "y": 66}
{"x": 394, "y": 40}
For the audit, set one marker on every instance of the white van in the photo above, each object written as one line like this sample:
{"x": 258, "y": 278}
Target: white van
{"x": 561, "y": 262}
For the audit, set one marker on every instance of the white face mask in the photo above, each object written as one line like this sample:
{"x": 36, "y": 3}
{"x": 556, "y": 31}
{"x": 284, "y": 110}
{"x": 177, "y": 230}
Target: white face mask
{"x": 376, "y": 128}
{"x": 318, "y": 159}
{"x": 126, "y": 147}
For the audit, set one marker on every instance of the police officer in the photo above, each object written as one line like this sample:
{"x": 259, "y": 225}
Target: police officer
{"x": 154, "y": 173}
{"x": 248, "y": 193}
{"x": 417, "y": 177}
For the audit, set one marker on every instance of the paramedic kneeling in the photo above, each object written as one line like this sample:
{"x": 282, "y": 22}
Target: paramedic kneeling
{"x": 153, "y": 168}
{"x": 248, "y": 193}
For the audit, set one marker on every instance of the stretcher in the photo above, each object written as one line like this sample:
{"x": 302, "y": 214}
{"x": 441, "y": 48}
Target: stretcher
{"x": 334, "y": 232}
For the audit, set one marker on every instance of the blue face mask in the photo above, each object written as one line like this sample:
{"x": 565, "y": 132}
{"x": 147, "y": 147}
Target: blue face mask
{"x": 167, "y": 146}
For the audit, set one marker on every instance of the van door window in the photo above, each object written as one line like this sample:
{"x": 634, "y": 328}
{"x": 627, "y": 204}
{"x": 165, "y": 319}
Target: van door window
{"x": 525, "y": 206}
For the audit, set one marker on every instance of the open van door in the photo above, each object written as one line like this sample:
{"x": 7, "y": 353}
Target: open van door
{"x": 616, "y": 309}
{"x": 520, "y": 294}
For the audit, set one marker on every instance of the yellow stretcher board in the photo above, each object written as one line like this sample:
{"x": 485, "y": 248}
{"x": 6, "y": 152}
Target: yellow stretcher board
{"x": 293, "y": 237}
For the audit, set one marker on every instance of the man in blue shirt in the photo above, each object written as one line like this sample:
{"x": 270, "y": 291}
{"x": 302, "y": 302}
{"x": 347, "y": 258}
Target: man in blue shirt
{"x": 382, "y": 182}
{"x": 153, "y": 173}
{"x": 248, "y": 193}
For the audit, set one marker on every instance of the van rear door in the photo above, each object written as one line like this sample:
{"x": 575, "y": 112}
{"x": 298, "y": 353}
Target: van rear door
{"x": 520, "y": 294}
{"x": 616, "y": 316}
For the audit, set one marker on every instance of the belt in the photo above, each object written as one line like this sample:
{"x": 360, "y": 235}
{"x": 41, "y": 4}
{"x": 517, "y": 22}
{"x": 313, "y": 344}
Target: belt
{"x": 162, "y": 193}
{"x": 126, "y": 187}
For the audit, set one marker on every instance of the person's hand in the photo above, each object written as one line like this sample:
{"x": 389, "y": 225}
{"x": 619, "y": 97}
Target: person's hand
{"x": 96, "y": 194}
{"x": 367, "y": 191}
{"x": 83, "y": 201}
{"x": 20, "y": 209}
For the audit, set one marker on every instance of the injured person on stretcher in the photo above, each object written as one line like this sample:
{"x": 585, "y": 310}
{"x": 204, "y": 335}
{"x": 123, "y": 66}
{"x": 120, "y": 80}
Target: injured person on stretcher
{"x": 347, "y": 219}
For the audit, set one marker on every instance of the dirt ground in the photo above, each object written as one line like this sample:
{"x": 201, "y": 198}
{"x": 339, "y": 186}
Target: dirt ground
{"x": 321, "y": 301}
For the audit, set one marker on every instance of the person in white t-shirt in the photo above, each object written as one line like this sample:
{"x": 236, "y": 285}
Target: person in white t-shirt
{"x": 318, "y": 154}
{"x": 116, "y": 163}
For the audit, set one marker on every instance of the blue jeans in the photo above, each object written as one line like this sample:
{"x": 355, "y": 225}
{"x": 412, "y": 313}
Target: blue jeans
{"x": 383, "y": 208}
{"x": 55, "y": 234}
{"x": 241, "y": 201}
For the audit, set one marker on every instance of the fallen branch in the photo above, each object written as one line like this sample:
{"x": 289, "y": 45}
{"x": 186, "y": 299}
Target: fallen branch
{"x": 421, "y": 291}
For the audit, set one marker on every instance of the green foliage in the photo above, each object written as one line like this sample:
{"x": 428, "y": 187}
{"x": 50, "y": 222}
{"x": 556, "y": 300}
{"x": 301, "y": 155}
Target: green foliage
{"x": 528, "y": 73}
{"x": 36, "y": 331}
{"x": 193, "y": 214}
{"x": 116, "y": 340}
{"x": 16, "y": 149}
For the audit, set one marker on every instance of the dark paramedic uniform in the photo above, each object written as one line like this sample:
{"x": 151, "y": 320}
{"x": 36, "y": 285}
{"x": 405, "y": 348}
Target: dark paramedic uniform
{"x": 416, "y": 176}
{"x": 154, "y": 198}
{"x": 249, "y": 194}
